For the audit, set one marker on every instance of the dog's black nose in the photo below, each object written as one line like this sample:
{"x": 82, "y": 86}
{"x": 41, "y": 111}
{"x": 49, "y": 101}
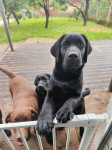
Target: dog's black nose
{"x": 19, "y": 139}
{"x": 40, "y": 87}
{"x": 73, "y": 55}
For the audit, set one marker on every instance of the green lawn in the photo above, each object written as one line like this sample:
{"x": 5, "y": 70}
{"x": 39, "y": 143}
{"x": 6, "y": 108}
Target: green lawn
{"x": 0, "y": 17}
{"x": 35, "y": 28}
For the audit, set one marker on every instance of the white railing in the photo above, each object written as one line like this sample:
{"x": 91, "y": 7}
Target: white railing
{"x": 88, "y": 121}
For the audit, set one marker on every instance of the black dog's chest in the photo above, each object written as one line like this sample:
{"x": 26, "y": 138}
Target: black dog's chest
{"x": 61, "y": 91}
{"x": 61, "y": 95}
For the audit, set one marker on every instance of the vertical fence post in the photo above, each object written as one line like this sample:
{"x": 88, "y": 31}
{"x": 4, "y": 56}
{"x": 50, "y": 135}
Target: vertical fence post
{"x": 6, "y": 25}
{"x": 110, "y": 86}
{"x": 68, "y": 138}
{"x": 7, "y": 140}
{"x": 54, "y": 138}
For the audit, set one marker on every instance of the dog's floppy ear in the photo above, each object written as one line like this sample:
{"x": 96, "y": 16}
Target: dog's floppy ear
{"x": 0, "y": 114}
{"x": 35, "y": 82}
{"x": 7, "y": 119}
{"x": 48, "y": 75}
{"x": 56, "y": 48}
{"x": 88, "y": 48}
{"x": 34, "y": 113}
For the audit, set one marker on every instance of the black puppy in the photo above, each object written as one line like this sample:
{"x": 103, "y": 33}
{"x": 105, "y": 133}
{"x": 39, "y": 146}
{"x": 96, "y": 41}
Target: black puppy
{"x": 41, "y": 83}
{"x": 65, "y": 86}
{"x": 8, "y": 132}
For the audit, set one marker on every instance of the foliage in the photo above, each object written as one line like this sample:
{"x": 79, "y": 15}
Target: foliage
{"x": 63, "y": 7}
{"x": 18, "y": 15}
{"x": 60, "y": 5}
{"x": 59, "y": 26}
{"x": 55, "y": 5}
{"x": 28, "y": 13}
{"x": 61, "y": 2}
{"x": 74, "y": 13}
{"x": 99, "y": 9}
{"x": 13, "y": 5}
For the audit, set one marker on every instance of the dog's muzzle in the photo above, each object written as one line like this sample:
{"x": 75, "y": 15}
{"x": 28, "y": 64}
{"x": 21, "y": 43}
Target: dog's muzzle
{"x": 40, "y": 87}
{"x": 73, "y": 56}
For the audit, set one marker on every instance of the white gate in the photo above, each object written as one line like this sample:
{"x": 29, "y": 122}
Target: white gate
{"x": 102, "y": 139}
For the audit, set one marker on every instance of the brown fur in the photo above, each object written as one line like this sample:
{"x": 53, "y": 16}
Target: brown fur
{"x": 25, "y": 103}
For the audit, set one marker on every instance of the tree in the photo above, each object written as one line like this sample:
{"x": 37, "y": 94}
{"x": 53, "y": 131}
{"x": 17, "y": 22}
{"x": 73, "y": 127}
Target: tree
{"x": 84, "y": 15}
{"x": 45, "y": 5}
{"x": 11, "y": 7}
{"x": 61, "y": 2}
{"x": 86, "y": 12}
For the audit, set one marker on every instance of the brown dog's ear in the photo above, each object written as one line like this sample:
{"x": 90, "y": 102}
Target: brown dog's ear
{"x": 34, "y": 114}
{"x": 56, "y": 48}
{"x": 88, "y": 49}
{"x": 7, "y": 119}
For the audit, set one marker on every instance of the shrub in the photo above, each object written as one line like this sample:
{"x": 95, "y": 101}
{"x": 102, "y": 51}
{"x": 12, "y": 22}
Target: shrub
{"x": 28, "y": 13}
{"x": 18, "y": 15}
{"x": 36, "y": 14}
{"x": 55, "y": 5}
{"x": 63, "y": 7}
{"x": 74, "y": 13}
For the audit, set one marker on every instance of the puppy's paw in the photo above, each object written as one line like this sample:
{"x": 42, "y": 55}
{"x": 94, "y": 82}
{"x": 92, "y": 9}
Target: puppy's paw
{"x": 8, "y": 132}
{"x": 44, "y": 125}
{"x": 49, "y": 139}
{"x": 64, "y": 114}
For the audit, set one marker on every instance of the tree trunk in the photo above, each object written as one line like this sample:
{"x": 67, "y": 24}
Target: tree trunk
{"x": 47, "y": 20}
{"x": 86, "y": 13}
{"x": 47, "y": 17}
{"x": 15, "y": 18}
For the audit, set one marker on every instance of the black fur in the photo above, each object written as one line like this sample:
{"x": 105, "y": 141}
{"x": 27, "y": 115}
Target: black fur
{"x": 64, "y": 96}
{"x": 8, "y": 132}
{"x": 43, "y": 80}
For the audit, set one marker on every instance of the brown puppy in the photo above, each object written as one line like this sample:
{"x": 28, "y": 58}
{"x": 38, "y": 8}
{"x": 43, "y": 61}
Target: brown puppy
{"x": 25, "y": 103}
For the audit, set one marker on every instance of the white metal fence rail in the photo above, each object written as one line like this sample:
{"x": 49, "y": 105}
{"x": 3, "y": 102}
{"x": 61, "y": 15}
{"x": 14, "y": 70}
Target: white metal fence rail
{"x": 88, "y": 121}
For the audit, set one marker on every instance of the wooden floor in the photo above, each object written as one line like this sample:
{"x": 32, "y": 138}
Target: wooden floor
{"x": 30, "y": 59}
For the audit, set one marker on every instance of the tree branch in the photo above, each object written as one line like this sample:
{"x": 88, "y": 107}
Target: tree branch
{"x": 40, "y": 4}
{"x": 78, "y": 9}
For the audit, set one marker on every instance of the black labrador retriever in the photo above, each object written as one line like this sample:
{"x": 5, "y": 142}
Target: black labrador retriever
{"x": 41, "y": 83}
{"x": 64, "y": 98}
{"x": 8, "y": 132}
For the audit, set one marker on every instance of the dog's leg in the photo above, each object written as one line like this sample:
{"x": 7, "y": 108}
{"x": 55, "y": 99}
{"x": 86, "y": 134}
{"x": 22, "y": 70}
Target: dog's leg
{"x": 66, "y": 112}
{"x": 45, "y": 120}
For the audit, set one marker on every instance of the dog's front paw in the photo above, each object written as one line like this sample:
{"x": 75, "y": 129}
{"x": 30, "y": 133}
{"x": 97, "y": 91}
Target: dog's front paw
{"x": 44, "y": 125}
{"x": 64, "y": 114}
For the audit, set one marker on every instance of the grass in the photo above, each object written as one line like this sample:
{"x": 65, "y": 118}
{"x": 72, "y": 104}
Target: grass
{"x": 58, "y": 26}
{"x": 0, "y": 17}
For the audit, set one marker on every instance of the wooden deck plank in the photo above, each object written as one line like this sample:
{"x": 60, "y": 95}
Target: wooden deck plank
{"x": 30, "y": 59}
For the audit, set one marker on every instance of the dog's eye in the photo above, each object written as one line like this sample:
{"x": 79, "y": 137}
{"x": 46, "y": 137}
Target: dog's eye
{"x": 15, "y": 120}
{"x": 80, "y": 45}
{"x": 26, "y": 119}
{"x": 67, "y": 44}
